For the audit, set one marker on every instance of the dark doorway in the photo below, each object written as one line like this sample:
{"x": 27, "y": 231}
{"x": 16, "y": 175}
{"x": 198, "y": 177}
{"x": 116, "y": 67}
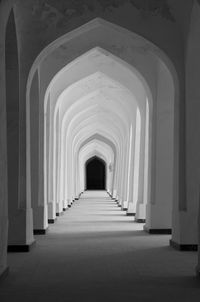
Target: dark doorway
{"x": 95, "y": 174}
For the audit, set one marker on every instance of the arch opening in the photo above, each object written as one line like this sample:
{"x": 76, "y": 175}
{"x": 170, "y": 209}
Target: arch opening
{"x": 95, "y": 169}
{"x": 102, "y": 91}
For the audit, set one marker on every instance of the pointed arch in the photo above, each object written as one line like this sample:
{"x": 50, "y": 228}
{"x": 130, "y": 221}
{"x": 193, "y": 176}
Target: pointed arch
{"x": 143, "y": 65}
{"x": 95, "y": 168}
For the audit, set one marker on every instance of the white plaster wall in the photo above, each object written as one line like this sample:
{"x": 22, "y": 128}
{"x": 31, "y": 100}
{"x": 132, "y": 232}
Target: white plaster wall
{"x": 163, "y": 153}
{"x": 186, "y": 212}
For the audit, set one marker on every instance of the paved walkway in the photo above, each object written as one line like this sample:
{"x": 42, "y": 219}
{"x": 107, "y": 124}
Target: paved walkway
{"x": 95, "y": 253}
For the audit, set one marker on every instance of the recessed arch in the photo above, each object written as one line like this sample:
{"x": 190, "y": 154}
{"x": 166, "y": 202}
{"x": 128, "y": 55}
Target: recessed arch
{"x": 101, "y": 136}
{"x": 78, "y": 140}
{"x": 90, "y": 149}
{"x": 142, "y": 67}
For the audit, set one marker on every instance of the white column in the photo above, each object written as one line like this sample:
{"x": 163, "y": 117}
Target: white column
{"x": 159, "y": 209}
{"x": 20, "y": 212}
{"x": 143, "y": 177}
{"x": 59, "y": 200}
{"x": 51, "y": 201}
{"x": 136, "y": 162}
{"x": 131, "y": 204}
{"x": 128, "y": 168}
{"x": 37, "y": 157}
{"x": 186, "y": 203}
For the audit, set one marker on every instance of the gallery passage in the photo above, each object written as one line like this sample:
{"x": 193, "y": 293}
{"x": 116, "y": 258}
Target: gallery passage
{"x": 101, "y": 104}
{"x": 98, "y": 105}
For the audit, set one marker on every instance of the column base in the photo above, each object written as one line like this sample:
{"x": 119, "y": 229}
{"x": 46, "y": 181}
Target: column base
{"x": 114, "y": 194}
{"x": 51, "y": 221}
{"x": 20, "y": 231}
{"x": 184, "y": 247}
{"x": 59, "y": 214}
{"x": 158, "y": 217}
{"x": 65, "y": 204}
{"x": 59, "y": 207}
{"x": 130, "y": 214}
{"x": 131, "y": 209}
{"x": 40, "y": 217}
{"x": 51, "y": 212}
{"x": 141, "y": 212}
{"x": 160, "y": 231}
{"x": 4, "y": 274}
{"x": 157, "y": 231}
{"x": 124, "y": 205}
{"x": 140, "y": 220}
{"x": 21, "y": 248}
{"x": 40, "y": 231}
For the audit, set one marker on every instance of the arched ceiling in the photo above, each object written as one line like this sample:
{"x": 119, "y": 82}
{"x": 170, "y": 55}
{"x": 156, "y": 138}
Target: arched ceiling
{"x": 94, "y": 70}
{"x": 96, "y": 147}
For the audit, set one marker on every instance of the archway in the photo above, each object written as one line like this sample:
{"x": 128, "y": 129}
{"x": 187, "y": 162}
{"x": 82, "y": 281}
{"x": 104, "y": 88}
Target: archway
{"x": 95, "y": 169}
{"x": 109, "y": 71}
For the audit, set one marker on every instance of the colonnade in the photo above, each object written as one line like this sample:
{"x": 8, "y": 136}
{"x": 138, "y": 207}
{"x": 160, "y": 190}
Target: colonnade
{"x": 87, "y": 95}
{"x": 108, "y": 108}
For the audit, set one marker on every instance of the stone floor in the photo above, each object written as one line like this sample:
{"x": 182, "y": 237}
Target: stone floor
{"x": 95, "y": 253}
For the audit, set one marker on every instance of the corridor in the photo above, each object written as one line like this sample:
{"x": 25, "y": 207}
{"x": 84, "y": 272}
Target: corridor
{"x": 95, "y": 253}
